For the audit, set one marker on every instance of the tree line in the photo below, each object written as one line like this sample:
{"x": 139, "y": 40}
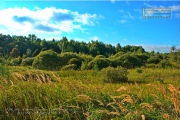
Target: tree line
{"x": 27, "y": 50}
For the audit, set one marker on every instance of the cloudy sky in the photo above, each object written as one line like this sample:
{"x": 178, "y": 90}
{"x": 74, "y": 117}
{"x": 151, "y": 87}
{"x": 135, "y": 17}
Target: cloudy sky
{"x": 109, "y": 21}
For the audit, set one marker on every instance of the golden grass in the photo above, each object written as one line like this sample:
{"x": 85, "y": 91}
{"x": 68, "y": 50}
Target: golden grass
{"x": 82, "y": 95}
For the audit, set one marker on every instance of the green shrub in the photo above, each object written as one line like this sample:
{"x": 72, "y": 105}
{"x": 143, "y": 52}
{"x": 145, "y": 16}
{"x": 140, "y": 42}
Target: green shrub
{"x": 100, "y": 56}
{"x": 95, "y": 68}
{"x": 165, "y": 64}
{"x": 151, "y": 65}
{"x": 4, "y": 71}
{"x": 15, "y": 61}
{"x": 87, "y": 58}
{"x": 69, "y": 67}
{"x": 100, "y": 62}
{"x": 142, "y": 57}
{"x": 153, "y": 60}
{"x": 84, "y": 65}
{"x": 128, "y": 61}
{"x": 75, "y": 61}
{"x": 114, "y": 75}
{"x": 139, "y": 70}
{"x": 65, "y": 57}
{"x": 46, "y": 60}
{"x": 27, "y": 61}
{"x": 2, "y": 60}
{"x": 117, "y": 55}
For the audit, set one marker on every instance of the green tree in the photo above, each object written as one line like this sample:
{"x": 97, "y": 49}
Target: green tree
{"x": 14, "y": 53}
{"x": 118, "y": 48}
{"x": 28, "y": 52}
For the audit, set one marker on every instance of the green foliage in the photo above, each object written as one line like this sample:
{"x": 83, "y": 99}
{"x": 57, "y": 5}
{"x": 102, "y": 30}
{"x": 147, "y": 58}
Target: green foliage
{"x": 69, "y": 67}
{"x": 84, "y": 65}
{"x": 117, "y": 55}
{"x": 15, "y": 61}
{"x": 142, "y": 57}
{"x": 28, "y": 52}
{"x": 100, "y": 62}
{"x": 46, "y": 60}
{"x": 127, "y": 56}
{"x": 35, "y": 53}
{"x": 95, "y": 68}
{"x": 4, "y": 71}
{"x": 114, "y": 75}
{"x": 2, "y": 60}
{"x": 65, "y": 57}
{"x": 128, "y": 61}
{"x": 75, "y": 61}
{"x": 151, "y": 65}
{"x": 153, "y": 60}
{"x": 139, "y": 70}
{"x": 27, "y": 61}
{"x": 87, "y": 58}
{"x": 14, "y": 53}
{"x": 100, "y": 56}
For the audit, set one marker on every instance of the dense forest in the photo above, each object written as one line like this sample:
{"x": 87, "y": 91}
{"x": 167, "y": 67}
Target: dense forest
{"x": 70, "y": 54}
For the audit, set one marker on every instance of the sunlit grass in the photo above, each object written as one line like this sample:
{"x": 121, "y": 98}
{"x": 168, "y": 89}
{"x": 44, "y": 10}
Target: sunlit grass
{"x": 30, "y": 94}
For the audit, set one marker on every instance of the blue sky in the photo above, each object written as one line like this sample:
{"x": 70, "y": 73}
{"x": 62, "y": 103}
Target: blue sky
{"x": 108, "y": 21}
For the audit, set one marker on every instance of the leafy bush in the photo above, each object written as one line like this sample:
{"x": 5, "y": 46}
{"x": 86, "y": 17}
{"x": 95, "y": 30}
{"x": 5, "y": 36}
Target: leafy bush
{"x": 27, "y": 61}
{"x": 15, "y": 61}
{"x": 116, "y": 55}
{"x": 75, "y": 61}
{"x": 87, "y": 58}
{"x": 100, "y": 62}
{"x": 139, "y": 70}
{"x": 100, "y": 56}
{"x": 165, "y": 64}
{"x": 4, "y": 71}
{"x": 142, "y": 57}
{"x": 69, "y": 67}
{"x": 46, "y": 60}
{"x": 2, "y": 60}
{"x": 84, "y": 65}
{"x": 153, "y": 60}
{"x": 128, "y": 61}
{"x": 114, "y": 75}
{"x": 151, "y": 65}
{"x": 65, "y": 58}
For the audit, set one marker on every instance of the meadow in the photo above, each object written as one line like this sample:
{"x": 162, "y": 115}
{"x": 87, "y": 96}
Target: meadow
{"x": 149, "y": 94}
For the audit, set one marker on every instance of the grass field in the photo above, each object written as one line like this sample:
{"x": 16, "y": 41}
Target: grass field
{"x": 27, "y": 93}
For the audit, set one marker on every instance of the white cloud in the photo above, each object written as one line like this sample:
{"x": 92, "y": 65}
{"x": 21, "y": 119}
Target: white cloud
{"x": 161, "y": 6}
{"x": 151, "y": 6}
{"x": 94, "y": 38}
{"x": 158, "y": 48}
{"x": 175, "y": 7}
{"x": 112, "y": 1}
{"x": 87, "y": 19}
{"x": 121, "y": 11}
{"x": 138, "y": 10}
{"x": 79, "y": 39}
{"x": 177, "y": 15}
{"x": 56, "y": 38}
{"x": 48, "y": 20}
{"x": 126, "y": 15}
{"x": 123, "y": 21}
